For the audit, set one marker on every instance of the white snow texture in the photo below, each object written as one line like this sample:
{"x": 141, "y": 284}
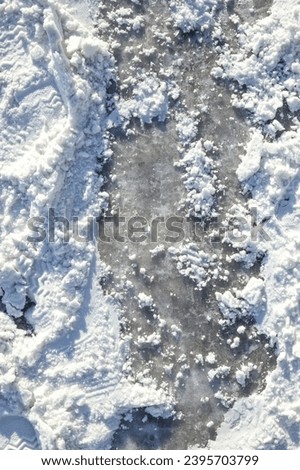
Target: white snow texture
{"x": 66, "y": 377}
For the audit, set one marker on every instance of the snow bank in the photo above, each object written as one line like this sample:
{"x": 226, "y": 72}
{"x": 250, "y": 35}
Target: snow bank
{"x": 65, "y": 377}
{"x": 199, "y": 179}
{"x": 267, "y": 65}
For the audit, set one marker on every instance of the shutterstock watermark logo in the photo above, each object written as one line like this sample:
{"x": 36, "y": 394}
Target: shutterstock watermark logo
{"x": 118, "y": 228}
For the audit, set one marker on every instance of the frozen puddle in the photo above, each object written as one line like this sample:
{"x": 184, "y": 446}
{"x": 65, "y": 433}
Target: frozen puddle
{"x": 17, "y": 433}
{"x": 172, "y": 321}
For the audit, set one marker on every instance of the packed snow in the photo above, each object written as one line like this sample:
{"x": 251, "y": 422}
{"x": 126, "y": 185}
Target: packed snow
{"x": 64, "y": 372}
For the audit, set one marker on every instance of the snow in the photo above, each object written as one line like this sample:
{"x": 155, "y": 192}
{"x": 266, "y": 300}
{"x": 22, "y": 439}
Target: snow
{"x": 149, "y": 101}
{"x": 151, "y": 340}
{"x": 221, "y": 371}
{"x": 267, "y": 65}
{"x": 186, "y": 127}
{"x": 235, "y": 343}
{"x": 190, "y": 15}
{"x": 211, "y": 358}
{"x": 257, "y": 64}
{"x": 54, "y": 73}
{"x": 243, "y": 374}
{"x": 65, "y": 372}
{"x": 248, "y": 302}
{"x": 252, "y": 159}
{"x": 197, "y": 265}
{"x": 157, "y": 251}
{"x": 145, "y": 301}
{"x": 241, "y": 330}
{"x": 199, "y": 178}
